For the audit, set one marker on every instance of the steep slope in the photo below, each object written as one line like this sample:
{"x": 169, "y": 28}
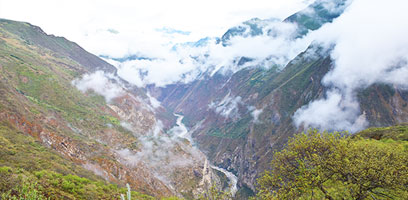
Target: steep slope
{"x": 396, "y": 133}
{"x": 110, "y": 135}
{"x": 223, "y": 115}
{"x": 239, "y": 119}
{"x": 38, "y": 98}
{"x": 59, "y": 46}
{"x": 26, "y": 163}
{"x": 317, "y": 14}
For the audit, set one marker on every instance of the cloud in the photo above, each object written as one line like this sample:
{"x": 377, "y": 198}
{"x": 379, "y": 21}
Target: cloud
{"x": 153, "y": 101}
{"x": 255, "y": 113}
{"x": 333, "y": 6}
{"x": 370, "y": 47}
{"x": 143, "y": 17}
{"x": 171, "y": 31}
{"x": 158, "y": 148}
{"x": 150, "y": 29}
{"x": 169, "y": 68}
{"x": 334, "y": 112}
{"x": 185, "y": 62}
{"x": 228, "y": 107}
{"x": 97, "y": 170}
{"x": 100, "y": 83}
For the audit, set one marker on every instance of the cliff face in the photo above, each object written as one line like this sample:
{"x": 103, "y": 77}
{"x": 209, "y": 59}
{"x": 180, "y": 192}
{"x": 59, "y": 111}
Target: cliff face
{"x": 111, "y": 136}
{"x": 239, "y": 119}
{"x": 50, "y": 90}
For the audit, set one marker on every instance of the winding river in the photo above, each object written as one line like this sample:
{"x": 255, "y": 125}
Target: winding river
{"x": 180, "y": 130}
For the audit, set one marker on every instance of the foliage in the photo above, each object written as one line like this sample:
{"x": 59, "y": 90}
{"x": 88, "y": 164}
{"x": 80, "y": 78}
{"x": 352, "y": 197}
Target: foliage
{"x": 29, "y": 170}
{"x": 36, "y": 94}
{"x": 213, "y": 193}
{"x": 399, "y": 132}
{"x": 45, "y": 184}
{"x": 171, "y": 198}
{"x": 26, "y": 190}
{"x": 336, "y": 166}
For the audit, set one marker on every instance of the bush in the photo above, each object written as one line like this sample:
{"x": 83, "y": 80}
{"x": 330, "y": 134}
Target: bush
{"x": 336, "y": 166}
{"x": 45, "y": 184}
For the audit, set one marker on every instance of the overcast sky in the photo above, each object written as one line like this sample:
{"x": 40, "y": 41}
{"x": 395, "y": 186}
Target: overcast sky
{"x": 139, "y": 23}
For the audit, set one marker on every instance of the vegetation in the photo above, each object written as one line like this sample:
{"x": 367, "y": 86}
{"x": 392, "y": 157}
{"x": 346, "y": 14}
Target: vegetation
{"x": 29, "y": 170}
{"x": 37, "y": 96}
{"x": 392, "y": 133}
{"x": 213, "y": 193}
{"x": 337, "y": 166}
{"x": 17, "y": 183}
{"x": 36, "y": 83}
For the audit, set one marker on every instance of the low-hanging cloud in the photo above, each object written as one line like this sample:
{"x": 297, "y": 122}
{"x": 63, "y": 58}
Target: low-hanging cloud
{"x": 228, "y": 107}
{"x": 158, "y": 147}
{"x": 275, "y": 46}
{"x": 255, "y": 113}
{"x": 332, "y": 113}
{"x": 100, "y": 83}
{"x": 371, "y": 46}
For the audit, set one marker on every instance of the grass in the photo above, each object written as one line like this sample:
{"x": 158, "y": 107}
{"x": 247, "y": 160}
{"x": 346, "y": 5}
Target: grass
{"x": 35, "y": 88}
{"x": 45, "y": 184}
{"x": 26, "y": 163}
{"x": 235, "y": 130}
{"x": 395, "y": 133}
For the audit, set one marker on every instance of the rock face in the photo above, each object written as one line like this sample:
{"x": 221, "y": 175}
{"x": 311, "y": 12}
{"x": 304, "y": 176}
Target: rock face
{"x": 223, "y": 118}
{"x": 236, "y": 119}
{"x": 240, "y": 119}
{"x": 121, "y": 141}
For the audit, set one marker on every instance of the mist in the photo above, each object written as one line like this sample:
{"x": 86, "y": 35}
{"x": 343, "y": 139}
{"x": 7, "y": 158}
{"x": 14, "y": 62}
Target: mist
{"x": 100, "y": 83}
{"x": 370, "y": 46}
{"x": 185, "y": 62}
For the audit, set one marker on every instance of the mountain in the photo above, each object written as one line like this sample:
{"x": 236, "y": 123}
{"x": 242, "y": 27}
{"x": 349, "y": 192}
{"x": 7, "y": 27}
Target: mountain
{"x": 311, "y": 18}
{"x": 55, "y": 117}
{"x": 240, "y": 119}
{"x": 317, "y": 14}
{"x": 70, "y": 124}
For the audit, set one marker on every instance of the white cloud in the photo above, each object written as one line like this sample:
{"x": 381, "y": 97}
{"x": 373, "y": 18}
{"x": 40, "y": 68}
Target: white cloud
{"x": 77, "y": 19}
{"x": 371, "y": 46}
{"x": 163, "y": 152}
{"x": 153, "y": 101}
{"x": 146, "y": 28}
{"x": 99, "y": 83}
{"x": 228, "y": 107}
{"x": 255, "y": 113}
{"x": 331, "y": 113}
{"x": 185, "y": 63}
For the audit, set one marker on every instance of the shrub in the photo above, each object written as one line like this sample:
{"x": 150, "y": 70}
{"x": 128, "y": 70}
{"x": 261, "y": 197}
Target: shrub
{"x": 336, "y": 166}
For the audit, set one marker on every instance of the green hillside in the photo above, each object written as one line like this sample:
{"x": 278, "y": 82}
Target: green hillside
{"x": 49, "y": 129}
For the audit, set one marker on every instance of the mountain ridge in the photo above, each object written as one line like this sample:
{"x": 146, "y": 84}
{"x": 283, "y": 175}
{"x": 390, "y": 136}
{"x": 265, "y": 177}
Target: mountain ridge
{"x": 104, "y": 134}
{"x": 223, "y": 109}
{"x": 238, "y": 118}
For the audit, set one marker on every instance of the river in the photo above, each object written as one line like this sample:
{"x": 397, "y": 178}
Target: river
{"x": 180, "y": 130}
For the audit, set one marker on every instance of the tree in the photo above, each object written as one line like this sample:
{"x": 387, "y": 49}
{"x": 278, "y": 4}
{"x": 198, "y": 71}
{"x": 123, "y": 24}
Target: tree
{"x": 336, "y": 166}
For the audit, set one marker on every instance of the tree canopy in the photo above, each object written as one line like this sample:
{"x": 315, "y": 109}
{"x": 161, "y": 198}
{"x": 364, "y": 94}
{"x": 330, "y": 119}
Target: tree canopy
{"x": 323, "y": 165}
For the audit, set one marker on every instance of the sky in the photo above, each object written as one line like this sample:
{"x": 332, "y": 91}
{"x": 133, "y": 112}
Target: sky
{"x": 126, "y": 26}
